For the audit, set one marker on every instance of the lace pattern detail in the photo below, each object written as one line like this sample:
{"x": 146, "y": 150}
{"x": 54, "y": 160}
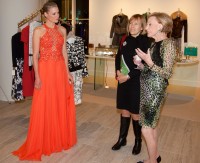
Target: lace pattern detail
{"x": 51, "y": 45}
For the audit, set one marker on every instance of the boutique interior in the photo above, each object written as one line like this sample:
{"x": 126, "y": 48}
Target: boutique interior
{"x": 97, "y": 119}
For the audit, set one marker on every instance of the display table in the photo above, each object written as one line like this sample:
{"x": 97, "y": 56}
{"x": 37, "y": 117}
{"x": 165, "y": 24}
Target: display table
{"x": 187, "y": 62}
{"x": 101, "y": 55}
{"x": 100, "y": 69}
{"x": 186, "y": 73}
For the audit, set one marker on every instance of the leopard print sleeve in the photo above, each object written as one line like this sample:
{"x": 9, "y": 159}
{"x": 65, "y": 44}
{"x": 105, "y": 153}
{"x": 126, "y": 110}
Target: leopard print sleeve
{"x": 168, "y": 53}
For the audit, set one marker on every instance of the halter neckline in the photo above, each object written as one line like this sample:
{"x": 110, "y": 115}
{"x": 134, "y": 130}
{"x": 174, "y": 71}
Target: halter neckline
{"x": 50, "y": 27}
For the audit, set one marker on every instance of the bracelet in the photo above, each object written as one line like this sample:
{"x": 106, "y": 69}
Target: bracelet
{"x": 128, "y": 77}
{"x": 151, "y": 66}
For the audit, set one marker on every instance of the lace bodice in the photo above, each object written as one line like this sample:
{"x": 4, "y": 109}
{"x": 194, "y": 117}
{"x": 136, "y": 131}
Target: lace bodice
{"x": 51, "y": 44}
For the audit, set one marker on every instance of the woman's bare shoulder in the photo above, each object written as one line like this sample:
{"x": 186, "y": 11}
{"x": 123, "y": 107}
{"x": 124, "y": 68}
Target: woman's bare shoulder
{"x": 40, "y": 30}
{"x": 62, "y": 30}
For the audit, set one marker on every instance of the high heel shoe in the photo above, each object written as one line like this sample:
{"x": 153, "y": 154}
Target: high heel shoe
{"x": 158, "y": 160}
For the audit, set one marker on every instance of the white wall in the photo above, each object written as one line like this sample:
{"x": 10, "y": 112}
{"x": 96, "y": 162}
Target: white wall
{"x": 102, "y": 11}
{"x": 12, "y": 12}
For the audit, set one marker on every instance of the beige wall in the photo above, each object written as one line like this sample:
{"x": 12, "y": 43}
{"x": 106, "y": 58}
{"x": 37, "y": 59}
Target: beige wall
{"x": 102, "y": 11}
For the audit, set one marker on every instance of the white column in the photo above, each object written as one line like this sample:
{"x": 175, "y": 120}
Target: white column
{"x": 73, "y": 15}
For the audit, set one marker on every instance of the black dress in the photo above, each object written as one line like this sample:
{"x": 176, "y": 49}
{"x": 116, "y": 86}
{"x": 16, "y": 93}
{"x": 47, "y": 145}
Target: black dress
{"x": 17, "y": 63}
{"x": 128, "y": 93}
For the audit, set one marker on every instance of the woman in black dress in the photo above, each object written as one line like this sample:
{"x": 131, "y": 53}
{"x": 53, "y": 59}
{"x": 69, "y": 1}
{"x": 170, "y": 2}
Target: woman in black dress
{"x": 128, "y": 76}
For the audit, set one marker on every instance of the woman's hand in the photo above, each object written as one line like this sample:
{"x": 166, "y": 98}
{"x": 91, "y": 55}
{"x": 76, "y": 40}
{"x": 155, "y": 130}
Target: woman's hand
{"x": 121, "y": 77}
{"x": 37, "y": 83}
{"x": 71, "y": 80}
{"x": 140, "y": 66}
{"x": 117, "y": 74}
{"x": 146, "y": 57}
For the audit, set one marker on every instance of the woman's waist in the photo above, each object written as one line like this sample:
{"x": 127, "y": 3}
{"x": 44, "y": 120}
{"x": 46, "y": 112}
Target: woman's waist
{"x": 51, "y": 56}
{"x": 149, "y": 76}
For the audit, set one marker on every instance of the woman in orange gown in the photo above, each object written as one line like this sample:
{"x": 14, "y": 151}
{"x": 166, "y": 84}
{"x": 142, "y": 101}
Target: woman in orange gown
{"x": 52, "y": 125}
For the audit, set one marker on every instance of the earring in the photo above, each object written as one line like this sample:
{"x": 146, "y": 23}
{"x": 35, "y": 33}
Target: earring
{"x": 160, "y": 30}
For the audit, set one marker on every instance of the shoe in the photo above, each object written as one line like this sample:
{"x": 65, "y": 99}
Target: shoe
{"x": 158, "y": 160}
{"x": 124, "y": 126}
{"x": 138, "y": 141}
{"x": 137, "y": 147}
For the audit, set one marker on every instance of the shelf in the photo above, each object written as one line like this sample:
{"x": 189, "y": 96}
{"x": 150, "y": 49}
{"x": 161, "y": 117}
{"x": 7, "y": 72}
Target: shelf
{"x": 100, "y": 56}
{"x": 187, "y": 62}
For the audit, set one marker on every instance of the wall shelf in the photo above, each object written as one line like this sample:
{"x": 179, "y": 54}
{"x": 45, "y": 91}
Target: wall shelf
{"x": 187, "y": 62}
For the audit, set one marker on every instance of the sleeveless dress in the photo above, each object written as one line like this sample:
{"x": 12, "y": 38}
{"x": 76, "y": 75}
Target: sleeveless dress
{"x": 52, "y": 125}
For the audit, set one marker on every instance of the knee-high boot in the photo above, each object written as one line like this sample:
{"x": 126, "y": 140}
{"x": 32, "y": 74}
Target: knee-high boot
{"x": 138, "y": 140}
{"x": 124, "y": 126}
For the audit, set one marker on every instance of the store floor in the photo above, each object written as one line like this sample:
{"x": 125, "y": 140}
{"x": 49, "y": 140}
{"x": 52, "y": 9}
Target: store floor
{"x": 98, "y": 127}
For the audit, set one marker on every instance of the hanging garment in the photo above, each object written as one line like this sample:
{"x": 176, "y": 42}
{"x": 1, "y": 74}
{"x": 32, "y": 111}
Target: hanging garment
{"x": 82, "y": 30}
{"x": 78, "y": 85}
{"x": 77, "y": 64}
{"x": 118, "y": 28}
{"x": 32, "y": 26}
{"x": 76, "y": 55}
{"x": 28, "y": 78}
{"x": 16, "y": 91}
{"x": 52, "y": 126}
{"x": 179, "y": 24}
{"x": 17, "y": 63}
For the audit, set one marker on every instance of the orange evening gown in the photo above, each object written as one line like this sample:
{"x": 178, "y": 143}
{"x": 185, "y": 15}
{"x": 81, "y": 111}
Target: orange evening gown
{"x": 52, "y": 126}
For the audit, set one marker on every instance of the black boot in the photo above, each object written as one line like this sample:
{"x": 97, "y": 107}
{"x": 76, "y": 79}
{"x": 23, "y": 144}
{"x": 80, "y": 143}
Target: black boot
{"x": 138, "y": 140}
{"x": 124, "y": 126}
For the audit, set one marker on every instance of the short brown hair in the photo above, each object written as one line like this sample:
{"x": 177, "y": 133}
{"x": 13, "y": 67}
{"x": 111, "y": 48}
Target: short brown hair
{"x": 165, "y": 20}
{"x": 143, "y": 21}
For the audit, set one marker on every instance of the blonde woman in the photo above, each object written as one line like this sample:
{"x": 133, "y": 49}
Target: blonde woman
{"x": 156, "y": 71}
{"x": 128, "y": 76}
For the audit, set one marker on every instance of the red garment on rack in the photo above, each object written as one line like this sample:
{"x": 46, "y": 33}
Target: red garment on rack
{"x": 28, "y": 77}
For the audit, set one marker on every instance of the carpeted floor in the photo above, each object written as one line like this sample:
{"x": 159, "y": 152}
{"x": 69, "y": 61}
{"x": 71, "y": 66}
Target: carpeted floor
{"x": 101, "y": 91}
{"x": 97, "y": 124}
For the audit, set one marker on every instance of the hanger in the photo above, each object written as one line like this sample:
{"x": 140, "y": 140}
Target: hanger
{"x": 19, "y": 29}
{"x": 121, "y": 13}
{"x": 179, "y": 14}
{"x": 148, "y": 12}
{"x": 70, "y": 35}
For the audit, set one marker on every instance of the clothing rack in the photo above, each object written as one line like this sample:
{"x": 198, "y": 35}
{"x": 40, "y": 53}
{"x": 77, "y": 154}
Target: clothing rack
{"x": 30, "y": 17}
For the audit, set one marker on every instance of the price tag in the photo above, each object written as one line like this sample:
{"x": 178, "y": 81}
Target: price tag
{"x": 13, "y": 72}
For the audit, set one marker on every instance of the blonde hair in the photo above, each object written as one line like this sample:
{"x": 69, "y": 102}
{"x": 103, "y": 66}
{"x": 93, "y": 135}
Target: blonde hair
{"x": 143, "y": 22}
{"x": 47, "y": 6}
{"x": 165, "y": 20}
